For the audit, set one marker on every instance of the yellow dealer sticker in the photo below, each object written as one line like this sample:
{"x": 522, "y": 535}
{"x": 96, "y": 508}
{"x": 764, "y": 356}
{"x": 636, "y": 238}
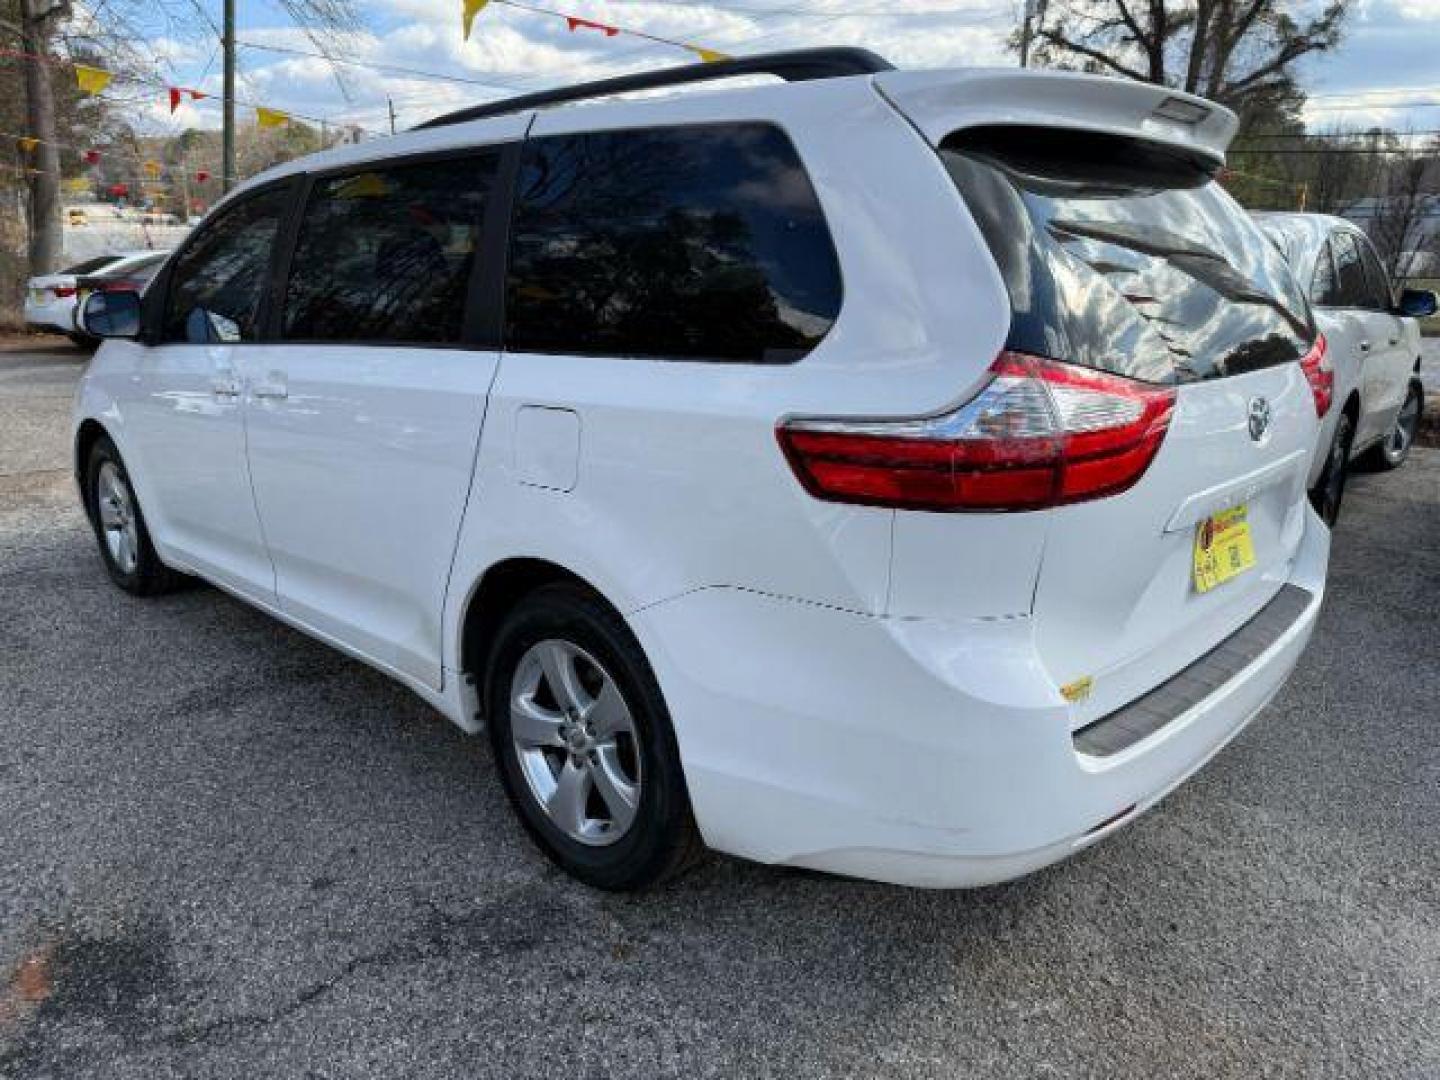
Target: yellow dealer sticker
{"x": 1223, "y": 548}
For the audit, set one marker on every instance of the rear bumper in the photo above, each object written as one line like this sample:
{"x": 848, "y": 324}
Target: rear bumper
{"x": 919, "y": 752}
{"x": 59, "y": 316}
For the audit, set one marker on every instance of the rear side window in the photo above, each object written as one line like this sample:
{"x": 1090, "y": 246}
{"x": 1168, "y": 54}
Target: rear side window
{"x": 1127, "y": 257}
{"x": 385, "y": 254}
{"x": 89, "y": 266}
{"x": 220, "y": 277}
{"x": 702, "y": 242}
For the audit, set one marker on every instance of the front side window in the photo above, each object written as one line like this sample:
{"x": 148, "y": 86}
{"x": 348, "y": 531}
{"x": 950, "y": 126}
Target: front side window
{"x": 386, "y": 254}
{"x": 703, "y": 242}
{"x": 1382, "y": 297}
{"x": 1324, "y": 285}
{"x": 1350, "y": 272}
{"x": 219, "y": 279}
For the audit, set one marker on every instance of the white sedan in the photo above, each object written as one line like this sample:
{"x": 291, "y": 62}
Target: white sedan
{"x": 51, "y": 299}
{"x": 1373, "y": 344}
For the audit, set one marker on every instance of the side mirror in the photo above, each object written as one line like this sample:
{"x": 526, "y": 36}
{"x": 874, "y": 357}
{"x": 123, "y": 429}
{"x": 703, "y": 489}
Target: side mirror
{"x": 112, "y": 314}
{"x": 1418, "y": 303}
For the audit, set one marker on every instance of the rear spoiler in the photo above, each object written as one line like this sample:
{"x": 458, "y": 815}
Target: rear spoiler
{"x": 941, "y": 102}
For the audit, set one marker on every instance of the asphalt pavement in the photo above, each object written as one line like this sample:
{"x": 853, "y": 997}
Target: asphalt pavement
{"x": 228, "y": 852}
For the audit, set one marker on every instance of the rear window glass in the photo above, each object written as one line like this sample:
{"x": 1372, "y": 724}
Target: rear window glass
{"x": 1127, "y": 257}
{"x": 89, "y": 266}
{"x": 704, "y": 242}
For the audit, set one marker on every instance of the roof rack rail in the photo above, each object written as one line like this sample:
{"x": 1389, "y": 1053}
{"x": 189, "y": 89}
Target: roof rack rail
{"x": 795, "y": 65}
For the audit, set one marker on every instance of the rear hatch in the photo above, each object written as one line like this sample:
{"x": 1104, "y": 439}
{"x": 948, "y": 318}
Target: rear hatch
{"x": 1122, "y": 255}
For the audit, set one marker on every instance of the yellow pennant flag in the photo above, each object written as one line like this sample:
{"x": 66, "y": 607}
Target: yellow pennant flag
{"x": 472, "y": 8}
{"x": 270, "y": 117}
{"x": 91, "y": 80}
{"x": 28, "y": 143}
{"x": 152, "y": 168}
{"x": 710, "y": 56}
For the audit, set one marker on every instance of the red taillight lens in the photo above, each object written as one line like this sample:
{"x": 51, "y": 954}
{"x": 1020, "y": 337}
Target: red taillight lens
{"x": 63, "y": 291}
{"x": 1320, "y": 374}
{"x": 1040, "y": 433}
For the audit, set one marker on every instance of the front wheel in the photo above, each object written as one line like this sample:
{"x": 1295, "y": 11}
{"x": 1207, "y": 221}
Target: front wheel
{"x": 584, "y": 742}
{"x": 1329, "y": 492}
{"x": 1395, "y": 448}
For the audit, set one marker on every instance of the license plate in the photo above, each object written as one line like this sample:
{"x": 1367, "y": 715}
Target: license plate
{"x": 37, "y": 296}
{"x": 1223, "y": 548}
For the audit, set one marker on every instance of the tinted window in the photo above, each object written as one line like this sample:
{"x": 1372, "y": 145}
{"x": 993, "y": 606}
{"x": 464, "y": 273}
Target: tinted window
{"x": 219, "y": 279}
{"x": 386, "y": 254}
{"x": 703, "y": 242}
{"x": 1354, "y": 289}
{"x": 1324, "y": 285}
{"x": 1381, "y": 296}
{"x": 1127, "y": 257}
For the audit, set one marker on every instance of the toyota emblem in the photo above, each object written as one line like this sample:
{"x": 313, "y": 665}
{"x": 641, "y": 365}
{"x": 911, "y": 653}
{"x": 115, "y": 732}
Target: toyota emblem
{"x": 1259, "y": 418}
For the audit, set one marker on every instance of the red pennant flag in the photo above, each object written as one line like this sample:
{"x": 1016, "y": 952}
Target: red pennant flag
{"x": 174, "y": 98}
{"x": 92, "y": 157}
{"x": 202, "y": 176}
{"x": 574, "y": 23}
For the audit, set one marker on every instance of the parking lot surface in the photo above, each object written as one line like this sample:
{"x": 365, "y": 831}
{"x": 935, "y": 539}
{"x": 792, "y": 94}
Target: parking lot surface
{"x": 226, "y": 851}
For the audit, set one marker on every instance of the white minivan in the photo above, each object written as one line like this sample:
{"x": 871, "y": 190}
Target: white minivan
{"x": 900, "y": 474}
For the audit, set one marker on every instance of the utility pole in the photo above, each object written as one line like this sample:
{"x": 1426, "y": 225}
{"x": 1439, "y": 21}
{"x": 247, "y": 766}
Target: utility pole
{"x": 227, "y": 155}
{"x": 391, "y": 104}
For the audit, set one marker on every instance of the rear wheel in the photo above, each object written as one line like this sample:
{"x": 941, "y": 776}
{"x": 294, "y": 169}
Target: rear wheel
{"x": 1329, "y": 493}
{"x": 1395, "y": 448}
{"x": 125, "y": 545}
{"x": 584, "y": 742}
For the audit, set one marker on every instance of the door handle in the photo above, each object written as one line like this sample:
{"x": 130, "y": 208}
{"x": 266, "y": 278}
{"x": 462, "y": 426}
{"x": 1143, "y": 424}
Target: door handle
{"x": 1394, "y": 341}
{"x": 225, "y": 386}
{"x": 273, "y": 387}
{"x": 1364, "y": 346}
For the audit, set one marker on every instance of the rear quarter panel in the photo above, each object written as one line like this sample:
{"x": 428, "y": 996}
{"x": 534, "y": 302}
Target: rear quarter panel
{"x": 680, "y": 482}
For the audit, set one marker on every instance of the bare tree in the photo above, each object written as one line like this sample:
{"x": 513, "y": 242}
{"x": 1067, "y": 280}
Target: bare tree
{"x": 1238, "y": 52}
{"x": 48, "y": 38}
{"x": 1403, "y": 226}
{"x": 38, "y": 22}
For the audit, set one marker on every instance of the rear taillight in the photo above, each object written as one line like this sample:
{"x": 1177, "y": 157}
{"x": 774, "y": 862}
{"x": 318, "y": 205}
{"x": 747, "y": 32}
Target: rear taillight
{"x": 1320, "y": 374}
{"x": 1040, "y": 433}
{"x": 63, "y": 292}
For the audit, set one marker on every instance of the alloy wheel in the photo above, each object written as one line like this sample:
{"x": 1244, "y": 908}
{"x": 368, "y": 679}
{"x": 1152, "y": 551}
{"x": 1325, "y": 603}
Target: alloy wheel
{"x": 116, "y": 510}
{"x": 576, "y": 742}
{"x": 1402, "y": 435}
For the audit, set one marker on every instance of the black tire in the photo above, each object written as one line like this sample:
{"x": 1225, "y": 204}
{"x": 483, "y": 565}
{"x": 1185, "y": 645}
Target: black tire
{"x": 1329, "y": 490}
{"x": 662, "y": 839}
{"x": 1392, "y": 451}
{"x": 83, "y": 341}
{"x": 145, "y": 574}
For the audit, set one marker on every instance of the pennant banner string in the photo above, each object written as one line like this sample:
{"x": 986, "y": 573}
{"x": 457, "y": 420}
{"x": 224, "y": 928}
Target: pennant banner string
{"x": 575, "y": 22}
{"x": 87, "y": 77}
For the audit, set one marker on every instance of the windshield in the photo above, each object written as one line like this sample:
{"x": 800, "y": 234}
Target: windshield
{"x": 1127, "y": 258}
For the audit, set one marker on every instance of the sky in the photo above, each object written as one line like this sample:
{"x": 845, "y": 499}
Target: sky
{"x": 1390, "y": 56}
